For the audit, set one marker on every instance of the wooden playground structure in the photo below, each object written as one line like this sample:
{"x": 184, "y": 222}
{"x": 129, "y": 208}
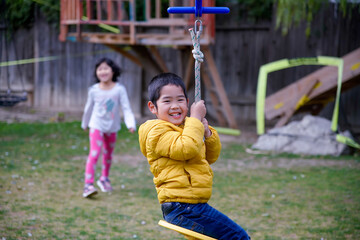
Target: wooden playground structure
{"x": 125, "y": 24}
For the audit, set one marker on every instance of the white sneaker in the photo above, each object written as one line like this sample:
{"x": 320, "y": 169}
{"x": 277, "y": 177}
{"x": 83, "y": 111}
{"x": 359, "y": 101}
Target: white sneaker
{"x": 89, "y": 191}
{"x": 105, "y": 186}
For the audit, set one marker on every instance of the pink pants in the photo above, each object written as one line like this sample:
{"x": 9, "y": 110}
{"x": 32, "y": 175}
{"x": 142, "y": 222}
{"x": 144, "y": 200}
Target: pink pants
{"x": 97, "y": 140}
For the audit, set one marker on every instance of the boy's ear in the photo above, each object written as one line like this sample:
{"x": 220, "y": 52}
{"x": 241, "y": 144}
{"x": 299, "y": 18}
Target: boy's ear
{"x": 152, "y": 107}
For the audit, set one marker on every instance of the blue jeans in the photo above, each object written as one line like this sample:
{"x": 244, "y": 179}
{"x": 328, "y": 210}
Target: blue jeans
{"x": 204, "y": 219}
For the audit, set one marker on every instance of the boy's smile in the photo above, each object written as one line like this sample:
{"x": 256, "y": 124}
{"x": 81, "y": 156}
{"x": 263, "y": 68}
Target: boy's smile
{"x": 172, "y": 106}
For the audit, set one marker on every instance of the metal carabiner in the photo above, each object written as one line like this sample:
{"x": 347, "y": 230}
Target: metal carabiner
{"x": 198, "y": 21}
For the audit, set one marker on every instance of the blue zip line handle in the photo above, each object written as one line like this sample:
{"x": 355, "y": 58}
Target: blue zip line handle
{"x": 198, "y": 10}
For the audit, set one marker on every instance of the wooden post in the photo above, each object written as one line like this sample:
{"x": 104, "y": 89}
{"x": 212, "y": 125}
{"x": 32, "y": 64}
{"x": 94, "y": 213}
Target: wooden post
{"x": 119, "y": 5}
{"x": 219, "y": 87}
{"x": 158, "y": 9}
{"x": 98, "y": 10}
{"x": 132, "y": 21}
{"x": 148, "y": 10}
{"x": 189, "y": 70}
{"x": 78, "y": 15}
{"x": 109, "y": 10}
{"x": 88, "y": 10}
{"x": 126, "y": 54}
{"x": 155, "y": 52}
{"x": 214, "y": 98}
{"x": 302, "y": 96}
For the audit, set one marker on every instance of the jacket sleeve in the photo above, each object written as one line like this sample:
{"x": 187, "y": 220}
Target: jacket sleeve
{"x": 129, "y": 117}
{"x": 213, "y": 146}
{"x": 87, "y": 111}
{"x": 180, "y": 145}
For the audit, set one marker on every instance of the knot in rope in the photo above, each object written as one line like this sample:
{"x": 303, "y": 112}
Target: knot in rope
{"x": 198, "y": 55}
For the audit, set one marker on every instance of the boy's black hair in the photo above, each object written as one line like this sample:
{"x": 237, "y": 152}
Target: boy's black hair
{"x": 162, "y": 80}
{"x": 115, "y": 68}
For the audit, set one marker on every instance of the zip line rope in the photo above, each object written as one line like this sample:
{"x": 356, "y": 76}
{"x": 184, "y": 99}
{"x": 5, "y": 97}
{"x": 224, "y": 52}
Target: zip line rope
{"x": 198, "y": 55}
{"x": 195, "y": 33}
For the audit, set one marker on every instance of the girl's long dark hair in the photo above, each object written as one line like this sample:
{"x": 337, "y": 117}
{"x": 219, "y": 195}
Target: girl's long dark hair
{"x": 115, "y": 68}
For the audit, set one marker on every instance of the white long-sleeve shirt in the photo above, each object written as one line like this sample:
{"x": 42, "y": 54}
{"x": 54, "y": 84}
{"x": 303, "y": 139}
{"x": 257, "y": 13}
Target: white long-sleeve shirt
{"x": 102, "y": 109}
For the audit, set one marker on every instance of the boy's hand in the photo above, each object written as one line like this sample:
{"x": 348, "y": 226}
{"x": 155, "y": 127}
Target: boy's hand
{"x": 198, "y": 110}
{"x": 207, "y": 132}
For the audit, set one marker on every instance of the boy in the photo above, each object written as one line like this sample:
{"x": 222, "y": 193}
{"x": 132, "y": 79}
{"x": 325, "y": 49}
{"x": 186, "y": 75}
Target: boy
{"x": 180, "y": 150}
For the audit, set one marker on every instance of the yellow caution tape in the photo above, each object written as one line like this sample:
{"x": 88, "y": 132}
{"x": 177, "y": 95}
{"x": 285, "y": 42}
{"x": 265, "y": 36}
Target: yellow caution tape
{"x": 304, "y": 99}
{"x": 355, "y": 66}
{"x": 278, "y": 105}
{"x": 50, "y": 58}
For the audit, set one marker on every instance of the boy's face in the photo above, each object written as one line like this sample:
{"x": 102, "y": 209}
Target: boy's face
{"x": 172, "y": 106}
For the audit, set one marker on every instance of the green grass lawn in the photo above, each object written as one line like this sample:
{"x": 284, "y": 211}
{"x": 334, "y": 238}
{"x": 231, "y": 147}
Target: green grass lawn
{"x": 271, "y": 196}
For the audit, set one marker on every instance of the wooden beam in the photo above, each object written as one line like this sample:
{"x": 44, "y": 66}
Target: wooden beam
{"x": 214, "y": 98}
{"x": 209, "y": 60}
{"x": 125, "y": 53}
{"x": 156, "y": 54}
{"x": 98, "y": 10}
{"x": 119, "y": 7}
{"x": 278, "y": 103}
{"x": 189, "y": 71}
{"x": 147, "y": 10}
{"x": 158, "y": 8}
{"x": 78, "y": 19}
{"x": 88, "y": 10}
{"x": 146, "y": 58}
{"x": 302, "y": 96}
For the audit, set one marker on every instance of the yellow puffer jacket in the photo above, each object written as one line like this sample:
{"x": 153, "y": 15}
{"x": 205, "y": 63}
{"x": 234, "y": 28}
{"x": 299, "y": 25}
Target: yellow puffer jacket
{"x": 180, "y": 159}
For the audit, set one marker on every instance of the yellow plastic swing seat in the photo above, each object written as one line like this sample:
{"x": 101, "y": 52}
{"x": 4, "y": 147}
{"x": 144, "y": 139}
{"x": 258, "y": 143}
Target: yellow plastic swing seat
{"x": 191, "y": 235}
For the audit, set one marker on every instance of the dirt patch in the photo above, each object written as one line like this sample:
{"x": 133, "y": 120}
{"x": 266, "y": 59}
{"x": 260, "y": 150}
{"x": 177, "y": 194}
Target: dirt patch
{"x": 249, "y": 162}
{"x": 252, "y": 163}
{"x": 28, "y": 114}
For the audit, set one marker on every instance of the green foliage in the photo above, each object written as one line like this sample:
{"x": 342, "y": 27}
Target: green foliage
{"x": 257, "y": 9}
{"x": 21, "y": 13}
{"x": 292, "y": 12}
{"x": 50, "y": 9}
{"x": 251, "y": 10}
{"x": 18, "y": 13}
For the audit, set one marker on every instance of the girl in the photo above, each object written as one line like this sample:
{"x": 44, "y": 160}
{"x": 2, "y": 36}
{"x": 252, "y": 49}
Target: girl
{"x": 101, "y": 115}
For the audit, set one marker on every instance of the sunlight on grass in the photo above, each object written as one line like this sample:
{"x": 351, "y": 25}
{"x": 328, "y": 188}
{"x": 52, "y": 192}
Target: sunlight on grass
{"x": 271, "y": 196}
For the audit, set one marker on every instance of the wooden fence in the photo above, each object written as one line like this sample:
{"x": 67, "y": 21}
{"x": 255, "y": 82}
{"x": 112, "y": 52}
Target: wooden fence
{"x": 240, "y": 49}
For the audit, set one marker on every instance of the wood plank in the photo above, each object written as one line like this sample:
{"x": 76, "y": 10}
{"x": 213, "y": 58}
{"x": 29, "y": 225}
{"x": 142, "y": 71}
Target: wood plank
{"x": 209, "y": 60}
{"x": 189, "y": 71}
{"x": 147, "y": 59}
{"x": 98, "y": 10}
{"x": 302, "y": 96}
{"x": 277, "y": 103}
{"x": 119, "y": 10}
{"x": 158, "y": 9}
{"x": 147, "y": 10}
{"x": 158, "y": 58}
{"x": 109, "y": 10}
{"x": 126, "y": 54}
{"x": 88, "y": 9}
{"x": 214, "y": 98}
